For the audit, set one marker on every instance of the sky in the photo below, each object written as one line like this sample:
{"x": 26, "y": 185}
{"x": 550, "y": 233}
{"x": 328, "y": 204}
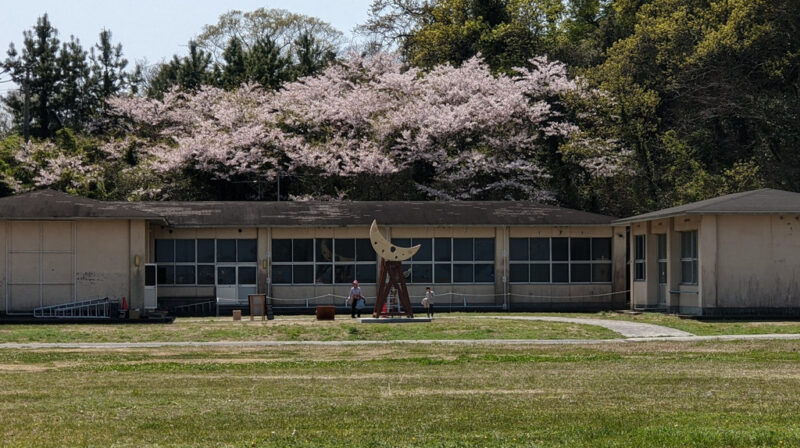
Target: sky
{"x": 154, "y": 29}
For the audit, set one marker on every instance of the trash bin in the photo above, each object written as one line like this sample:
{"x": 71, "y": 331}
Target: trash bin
{"x": 237, "y": 314}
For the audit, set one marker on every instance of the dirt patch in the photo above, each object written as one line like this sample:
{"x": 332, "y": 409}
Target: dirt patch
{"x": 23, "y": 368}
{"x": 469, "y": 392}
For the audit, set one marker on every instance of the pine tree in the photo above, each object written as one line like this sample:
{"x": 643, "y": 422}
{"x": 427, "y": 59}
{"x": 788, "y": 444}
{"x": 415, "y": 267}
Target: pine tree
{"x": 235, "y": 71}
{"x": 108, "y": 69}
{"x": 72, "y": 103}
{"x": 36, "y": 70}
{"x": 266, "y": 66}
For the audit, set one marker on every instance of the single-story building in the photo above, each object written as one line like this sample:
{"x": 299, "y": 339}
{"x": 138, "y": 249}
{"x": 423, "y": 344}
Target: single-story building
{"x": 59, "y": 248}
{"x": 737, "y": 254}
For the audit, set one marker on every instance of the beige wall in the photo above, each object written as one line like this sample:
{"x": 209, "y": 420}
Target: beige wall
{"x": 758, "y": 262}
{"x": 103, "y": 259}
{"x": 744, "y": 262}
{"x": 3, "y": 265}
{"x": 54, "y": 262}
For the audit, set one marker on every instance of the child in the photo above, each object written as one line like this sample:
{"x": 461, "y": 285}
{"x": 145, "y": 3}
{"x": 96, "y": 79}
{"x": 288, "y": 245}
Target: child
{"x": 427, "y": 301}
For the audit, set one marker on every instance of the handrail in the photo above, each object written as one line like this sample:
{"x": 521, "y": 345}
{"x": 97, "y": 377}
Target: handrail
{"x": 83, "y": 309}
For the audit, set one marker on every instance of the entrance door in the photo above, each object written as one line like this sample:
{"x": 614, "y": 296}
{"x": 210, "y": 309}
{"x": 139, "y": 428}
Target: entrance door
{"x": 227, "y": 291}
{"x": 662, "y": 271}
{"x": 150, "y": 287}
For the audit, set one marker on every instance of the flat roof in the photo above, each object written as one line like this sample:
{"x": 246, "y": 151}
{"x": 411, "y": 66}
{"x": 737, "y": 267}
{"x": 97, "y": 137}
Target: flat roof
{"x": 755, "y": 202}
{"x": 49, "y": 204}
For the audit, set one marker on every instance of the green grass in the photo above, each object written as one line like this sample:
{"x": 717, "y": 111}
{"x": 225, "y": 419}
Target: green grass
{"x": 301, "y": 328}
{"x": 659, "y": 394}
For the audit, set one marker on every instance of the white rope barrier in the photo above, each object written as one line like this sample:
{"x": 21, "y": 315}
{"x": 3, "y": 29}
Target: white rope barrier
{"x": 328, "y": 297}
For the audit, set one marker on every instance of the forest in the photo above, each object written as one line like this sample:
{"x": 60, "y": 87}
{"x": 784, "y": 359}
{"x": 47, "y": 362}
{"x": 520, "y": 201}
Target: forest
{"x": 611, "y": 106}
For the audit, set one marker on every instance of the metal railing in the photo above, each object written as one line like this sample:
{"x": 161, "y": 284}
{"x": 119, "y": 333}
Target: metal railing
{"x": 195, "y": 309}
{"x": 84, "y": 309}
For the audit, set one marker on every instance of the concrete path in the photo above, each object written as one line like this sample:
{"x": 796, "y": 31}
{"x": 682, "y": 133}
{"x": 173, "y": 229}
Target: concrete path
{"x": 240, "y": 344}
{"x": 625, "y": 328}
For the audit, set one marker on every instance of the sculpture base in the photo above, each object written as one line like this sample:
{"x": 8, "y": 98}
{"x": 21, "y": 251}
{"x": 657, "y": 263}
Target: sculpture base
{"x": 394, "y": 320}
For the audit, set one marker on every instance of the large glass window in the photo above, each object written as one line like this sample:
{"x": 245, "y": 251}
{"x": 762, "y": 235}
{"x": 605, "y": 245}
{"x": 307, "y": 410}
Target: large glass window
{"x": 689, "y": 257}
{"x": 322, "y": 261}
{"x": 341, "y": 260}
{"x": 193, "y": 262}
{"x": 639, "y": 257}
{"x": 449, "y": 260}
{"x": 560, "y": 260}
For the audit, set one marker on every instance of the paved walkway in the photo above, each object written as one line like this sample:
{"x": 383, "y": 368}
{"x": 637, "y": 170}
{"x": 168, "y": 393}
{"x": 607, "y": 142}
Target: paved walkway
{"x": 625, "y": 328}
{"x": 131, "y": 345}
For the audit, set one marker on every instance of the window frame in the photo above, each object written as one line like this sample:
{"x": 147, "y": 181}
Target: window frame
{"x": 451, "y": 263}
{"x": 691, "y": 258}
{"x": 567, "y": 264}
{"x": 640, "y": 258}
{"x": 196, "y": 264}
{"x": 316, "y": 264}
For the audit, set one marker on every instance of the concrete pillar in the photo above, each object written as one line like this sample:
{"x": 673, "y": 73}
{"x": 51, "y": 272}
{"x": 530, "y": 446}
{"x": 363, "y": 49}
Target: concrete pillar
{"x": 500, "y": 265}
{"x": 707, "y": 261}
{"x": 673, "y": 267}
{"x": 137, "y": 250}
{"x": 618, "y": 273}
{"x": 651, "y": 267}
{"x": 263, "y": 250}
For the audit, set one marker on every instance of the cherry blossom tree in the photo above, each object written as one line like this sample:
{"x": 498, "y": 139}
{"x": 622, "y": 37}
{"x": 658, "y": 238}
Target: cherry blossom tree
{"x": 450, "y": 133}
{"x": 42, "y": 164}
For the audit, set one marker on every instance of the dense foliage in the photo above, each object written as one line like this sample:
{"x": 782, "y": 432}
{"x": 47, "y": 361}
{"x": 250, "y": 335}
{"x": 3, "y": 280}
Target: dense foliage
{"x": 654, "y": 103}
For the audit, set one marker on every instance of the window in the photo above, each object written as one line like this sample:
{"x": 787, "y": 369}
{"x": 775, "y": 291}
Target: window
{"x": 560, "y": 260}
{"x": 662, "y": 258}
{"x": 689, "y": 257}
{"x": 322, "y": 261}
{"x": 639, "y": 252}
{"x": 193, "y": 262}
{"x": 449, "y": 260}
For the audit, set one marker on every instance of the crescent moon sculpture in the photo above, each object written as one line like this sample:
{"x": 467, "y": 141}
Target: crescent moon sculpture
{"x": 385, "y": 249}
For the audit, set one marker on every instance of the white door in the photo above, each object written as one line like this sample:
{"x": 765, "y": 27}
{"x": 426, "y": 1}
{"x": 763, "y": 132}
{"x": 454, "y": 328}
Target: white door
{"x": 150, "y": 287}
{"x": 227, "y": 290}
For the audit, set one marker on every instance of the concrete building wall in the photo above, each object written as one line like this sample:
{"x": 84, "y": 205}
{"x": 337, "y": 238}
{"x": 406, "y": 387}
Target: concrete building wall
{"x": 137, "y": 243}
{"x": 53, "y": 262}
{"x": 746, "y": 264}
{"x": 3, "y": 265}
{"x": 103, "y": 261}
{"x": 758, "y": 262}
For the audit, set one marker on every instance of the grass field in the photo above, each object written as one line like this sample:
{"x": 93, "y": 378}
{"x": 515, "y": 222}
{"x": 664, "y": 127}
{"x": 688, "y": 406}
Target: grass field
{"x": 656, "y": 394}
{"x": 305, "y": 328}
{"x": 301, "y": 328}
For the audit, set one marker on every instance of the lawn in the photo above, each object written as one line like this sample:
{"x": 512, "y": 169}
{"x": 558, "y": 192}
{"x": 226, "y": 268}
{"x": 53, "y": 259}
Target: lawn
{"x": 658, "y": 394}
{"x": 301, "y": 328}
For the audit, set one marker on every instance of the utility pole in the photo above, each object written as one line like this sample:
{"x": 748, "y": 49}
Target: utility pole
{"x": 26, "y": 115}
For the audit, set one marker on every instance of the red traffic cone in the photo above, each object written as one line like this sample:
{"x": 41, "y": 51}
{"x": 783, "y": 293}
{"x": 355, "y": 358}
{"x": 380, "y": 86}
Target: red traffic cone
{"x": 124, "y": 304}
